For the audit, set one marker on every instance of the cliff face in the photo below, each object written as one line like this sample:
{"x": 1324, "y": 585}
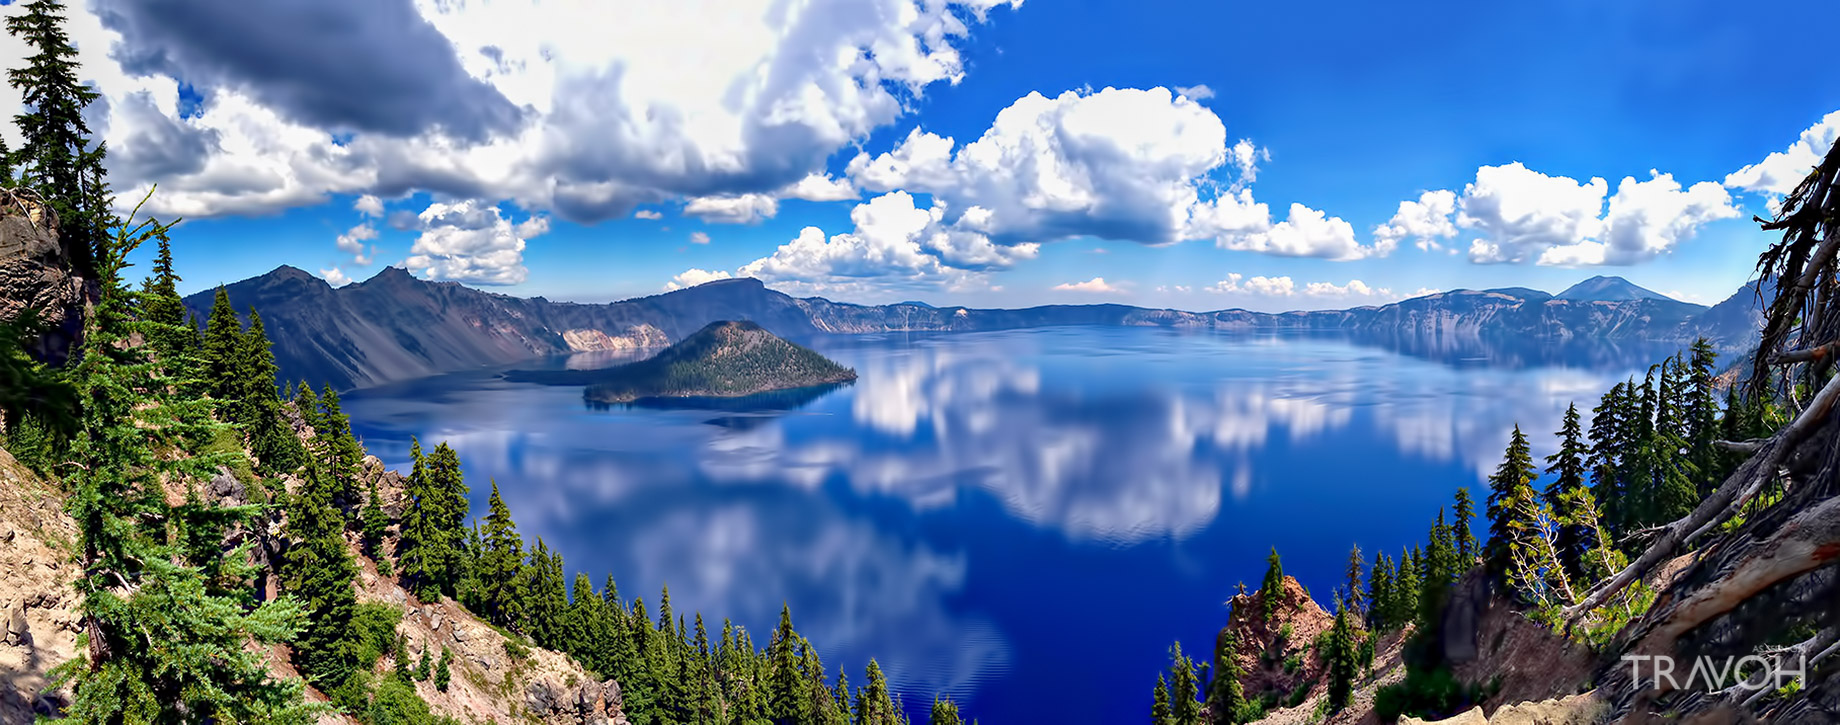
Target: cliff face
{"x": 1276, "y": 654}
{"x": 35, "y": 275}
{"x": 396, "y": 327}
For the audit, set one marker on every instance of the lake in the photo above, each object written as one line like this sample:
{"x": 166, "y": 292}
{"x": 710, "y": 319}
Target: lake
{"x": 1023, "y": 519}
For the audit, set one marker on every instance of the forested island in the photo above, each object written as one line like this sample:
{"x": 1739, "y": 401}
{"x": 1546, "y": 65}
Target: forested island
{"x": 726, "y": 359}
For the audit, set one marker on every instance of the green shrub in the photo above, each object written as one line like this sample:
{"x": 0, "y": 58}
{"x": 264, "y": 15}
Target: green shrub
{"x": 375, "y": 625}
{"x": 1430, "y": 694}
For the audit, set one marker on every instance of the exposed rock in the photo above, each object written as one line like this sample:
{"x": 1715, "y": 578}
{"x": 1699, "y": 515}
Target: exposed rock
{"x": 17, "y": 634}
{"x": 35, "y": 275}
{"x": 227, "y": 489}
{"x": 1266, "y": 643}
{"x": 1468, "y": 600}
{"x": 1581, "y": 709}
{"x": 1473, "y": 717}
{"x": 541, "y": 698}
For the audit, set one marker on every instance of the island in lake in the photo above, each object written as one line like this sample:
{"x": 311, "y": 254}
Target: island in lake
{"x": 726, "y": 359}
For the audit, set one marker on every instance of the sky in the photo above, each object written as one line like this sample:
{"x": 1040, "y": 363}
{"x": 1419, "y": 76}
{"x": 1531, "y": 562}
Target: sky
{"x": 998, "y": 153}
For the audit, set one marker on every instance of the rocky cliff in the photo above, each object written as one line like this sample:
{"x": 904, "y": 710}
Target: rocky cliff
{"x": 395, "y": 327}
{"x": 35, "y": 276}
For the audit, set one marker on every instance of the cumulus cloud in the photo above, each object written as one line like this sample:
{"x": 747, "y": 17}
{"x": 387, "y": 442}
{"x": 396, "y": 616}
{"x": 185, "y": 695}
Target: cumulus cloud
{"x": 694, "y": 277}
{"x": 1354, "y": 290}
{"x": 894, "y": 242}
{"x": 1261, "y": 286}
{"x": 1779, "y": 173}
{"x": 1523, "y": 215}
{"x": 352, "y": 242}
{"x": 575, "y": 107}
{"x": 369, "y": 205}
{"x": 335, "y": 277}
{"x": 699, "y": 238}
{"x": 742, "y": 209}
{"x": 1096, "y": 285}
{"x": 647, "y": 214}
{"x": 469, "y": 241}
{"x": 1426, "y": 220}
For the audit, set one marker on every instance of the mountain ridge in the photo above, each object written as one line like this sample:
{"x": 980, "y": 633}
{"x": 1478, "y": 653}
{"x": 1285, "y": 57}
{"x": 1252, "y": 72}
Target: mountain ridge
{"x": 394, "y": 326}
{"x": 1603, "y": 288}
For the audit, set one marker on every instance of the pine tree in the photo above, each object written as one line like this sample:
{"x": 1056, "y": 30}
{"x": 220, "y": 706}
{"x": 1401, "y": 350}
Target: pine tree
{"x": 56, "y": 154}
{"x": 1184, "y": 688}
{"x": 1406, "y": 587}
{"x": 1467, "y": 547}
{"x": 1380, "y": 593}
{"x": 783, "y": 689}
{"x": 223, "y": 349}
{"x": 945, "y": 712}
{"x": 376, "y": 525}
{"x": 873, "y": 703}
{"x": 503, "y": 565}
{"x": 339, "y": 451}
{"x": 1225, "y": 698}
{"x": 1568, "y": 467}
{"x": 140, "y": 568}
{"x": 443, "y": 672}
{"x": 1343, "y": 665}
{"x": 424, "y": 667}
{"x": 1514, "y": 473}
{"x": 1159, "y": 704}
{"x": 1272, "y": 589}
{"x": 1357, "y": 595}
{"x": 271, "y": 439}
{"x": 320, "y": 571}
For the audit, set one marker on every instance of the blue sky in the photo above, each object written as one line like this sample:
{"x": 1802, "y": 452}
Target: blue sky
{"x": 514, "y": 148}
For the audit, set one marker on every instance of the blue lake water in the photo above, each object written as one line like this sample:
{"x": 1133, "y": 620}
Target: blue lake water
{"x": 1024, "y": 519}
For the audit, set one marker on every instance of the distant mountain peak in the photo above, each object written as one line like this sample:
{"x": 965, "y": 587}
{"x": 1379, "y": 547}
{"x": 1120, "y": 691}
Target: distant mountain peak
{"x": 1605, "y": 288}
{"x": 392, "y": 275}
{"x": 288, "y": 271}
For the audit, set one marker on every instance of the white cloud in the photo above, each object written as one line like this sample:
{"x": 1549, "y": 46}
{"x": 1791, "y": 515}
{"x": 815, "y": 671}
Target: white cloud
{"x": 1199, "y": 91}
{"x": 742, "y": 209}
{"x": 1780, "y": 172}
{"x": 577, "y": 107}
{"x": 1523, "y": 215}
{"x": 821, "y": 187}
{"x": 694, "y": 277}
{"x": 352, "y": 242}
{"x": 1261, "y": 286}
{"x": 472, "y": 242}
{"x": 647, "y": 214}
{"x": 1521, "y": 212}
{"x": 1305, "y": 233}
{"x": 699, "y": 238}
{"x": 1096, "y": 285}
{"x": 369, "y": 205}
{"x": 335, "y": 277}
{"x": 1426, "y": 220}
{"x": 894, "y": 242}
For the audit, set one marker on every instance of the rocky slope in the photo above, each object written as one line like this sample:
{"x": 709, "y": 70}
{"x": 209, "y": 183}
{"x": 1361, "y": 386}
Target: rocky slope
{"x": 488, "y": 684}
{"x": 395, "y": 327}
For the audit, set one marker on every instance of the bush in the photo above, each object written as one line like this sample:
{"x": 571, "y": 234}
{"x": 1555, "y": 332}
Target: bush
{"x": 1429, "y": 694}
{"x": 397, "y": 704}
{"x": 375, "y": 625}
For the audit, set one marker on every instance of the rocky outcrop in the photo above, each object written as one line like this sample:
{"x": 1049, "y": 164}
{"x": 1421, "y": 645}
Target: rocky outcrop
{"x": 1276, "y": 654}
{"x": 1583, "y": 709}
{"x": 38, "y": 622}
{"x": 35, "y": 275}
{"x": 395, "y": 327}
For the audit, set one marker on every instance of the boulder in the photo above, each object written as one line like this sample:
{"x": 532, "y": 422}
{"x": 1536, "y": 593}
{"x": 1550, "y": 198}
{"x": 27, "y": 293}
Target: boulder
{"x": 541, "y": 699}
{"x": 227, "y": 489}
{"x": 17, "y": 635}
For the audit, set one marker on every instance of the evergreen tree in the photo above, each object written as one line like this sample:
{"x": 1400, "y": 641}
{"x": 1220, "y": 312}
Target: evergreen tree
{"x": 271, "y": 439}
{"x": 1272, "y": 588}
{"x": 1357, "y": 595}
{"x": 945, "y": 712}
{"x": 1514, "y": 473}
{"x": 424, "y": 667}
{"x": 1467, "y": 547}
{"x": 443, "y": 672}
{"x": 56, "y": 156}
{"x": 139, "y": 566}
{"x": 1380, "y": 593}
{"x": 1610, "y": 422}
{"x": 1184, "y": 688}
{"x": 1225, "y": 698}
{"x": 503, "y": 566}
{"x": 1567, "y": 465}
{"x": 1406, "y": 587}
{"x": 320, "y": 571}
{"x": 1159, "y": 703}
{"x": 223, "y": 351}
{"x": 376, "y": 525}
{"x": 1343, "y": 665}
{"x": 1440, "y": 571}
{"x": 339, "y": 450}
{"x": 783, "y": 688}
{"x": 873, "y": 703}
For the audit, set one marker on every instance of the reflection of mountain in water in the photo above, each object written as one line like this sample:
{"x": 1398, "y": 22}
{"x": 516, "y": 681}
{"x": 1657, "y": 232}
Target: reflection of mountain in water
{"x": 776, "y": 400}
{"x": 1510, "y": 353}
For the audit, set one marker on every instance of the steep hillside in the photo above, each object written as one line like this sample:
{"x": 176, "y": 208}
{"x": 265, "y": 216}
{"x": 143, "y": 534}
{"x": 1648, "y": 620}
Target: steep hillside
{"x": 394, "y": 326}
{"x": 491, "y": 682}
